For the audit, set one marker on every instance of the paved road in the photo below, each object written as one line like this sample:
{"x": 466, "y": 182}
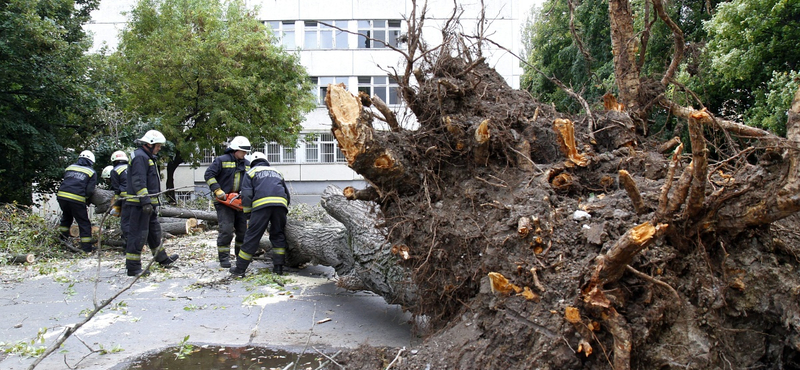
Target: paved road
{"x": 160, "y": 310}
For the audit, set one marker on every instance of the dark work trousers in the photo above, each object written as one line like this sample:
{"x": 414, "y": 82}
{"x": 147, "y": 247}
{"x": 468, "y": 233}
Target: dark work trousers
{"x": 80, "y": 213}
{"x": 275, "y": 217}
{"x": 230, "y": 222}
{"x": 125, "y": 221}
{"x": 143, "y": 228}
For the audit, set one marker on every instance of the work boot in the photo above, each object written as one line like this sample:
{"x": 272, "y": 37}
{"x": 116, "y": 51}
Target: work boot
{"x": 224, "y": 260}
{"x": 236, "y": 272}
{"x": 169, "y": 260}
{"x": 138, "y": 272}
{"x": 88, "y": 248}
{"x": 277, "y": 270}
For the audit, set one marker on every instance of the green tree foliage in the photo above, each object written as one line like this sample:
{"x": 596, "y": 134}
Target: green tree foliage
{"x": 741, "y": 55}
{"x": 205, "y": 71}
{"x": 751, "y": 55}
{"x": 46, "y": 101}
{"x": 552, "y": 48}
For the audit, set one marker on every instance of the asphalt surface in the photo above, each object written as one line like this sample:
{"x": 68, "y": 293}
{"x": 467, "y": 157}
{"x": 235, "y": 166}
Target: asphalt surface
{"x": 159, "y": 311}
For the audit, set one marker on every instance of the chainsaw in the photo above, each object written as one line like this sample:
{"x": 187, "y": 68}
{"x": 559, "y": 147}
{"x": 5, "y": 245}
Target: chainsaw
{"x": 232, "y": 200}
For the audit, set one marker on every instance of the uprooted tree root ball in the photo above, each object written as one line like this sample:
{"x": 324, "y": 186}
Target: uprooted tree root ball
{"x": 539, "y": 240}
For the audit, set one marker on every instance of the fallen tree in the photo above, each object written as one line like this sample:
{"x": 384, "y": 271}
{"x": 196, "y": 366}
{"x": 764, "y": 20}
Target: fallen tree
{"x": 101, "y": 199}
{"x": 533, "y": 241}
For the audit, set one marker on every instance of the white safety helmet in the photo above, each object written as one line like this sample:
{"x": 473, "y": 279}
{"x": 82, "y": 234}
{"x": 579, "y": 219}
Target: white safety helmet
{"x": 153, "y": 137}
{"x": 106, "y": 174}
{"x": 88, "y": 155}
{"x": 119, "y": 156}
{"x": 256, "y": 156}
{"x": 240, "y": 143}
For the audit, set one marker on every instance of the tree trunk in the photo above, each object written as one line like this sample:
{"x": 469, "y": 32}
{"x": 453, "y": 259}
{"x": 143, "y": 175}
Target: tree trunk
{"x": 624, "y": 47}
{"x": 19, "y": 258}
{"x": 172, "y": 165}
{"x": 187, "y": 213}
{"x": 102, "y": 201}
{"x": 365, "y": 251}
{"x": 363, "y": 149}
{"x": 184, "y": 227}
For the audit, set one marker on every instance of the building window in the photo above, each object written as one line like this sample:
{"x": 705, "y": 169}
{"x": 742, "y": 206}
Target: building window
{"x": 208, "y": 156}
{"x": 285, "y": 32}
{"x": 289, "y": 155}
{"x": 323, "y": 148}
{"x": 273, "y": 153}
{"x": 320, "y": 36}
{"x": 321, "y": 86}
{"x": 384, "y": 87}
{"x": 376, "y": 34}
{"x": 277, "y": 153}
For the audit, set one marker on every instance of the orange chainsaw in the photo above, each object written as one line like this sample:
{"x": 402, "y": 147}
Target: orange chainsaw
{"x": 232, "y": 200}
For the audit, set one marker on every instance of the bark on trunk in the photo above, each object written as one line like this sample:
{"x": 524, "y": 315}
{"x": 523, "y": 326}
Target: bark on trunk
{"x": 101, "y": 200}
{"x": 180, "y": 228}
{"x": 19, "y": 258}
{"x": 623, "y": 45}
{"x": 365, "y": 247}
{"x": 352, "y": 127}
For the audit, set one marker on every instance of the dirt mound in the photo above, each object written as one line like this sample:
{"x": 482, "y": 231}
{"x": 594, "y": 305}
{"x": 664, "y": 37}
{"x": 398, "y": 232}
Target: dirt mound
{"x": 539, "y": 240}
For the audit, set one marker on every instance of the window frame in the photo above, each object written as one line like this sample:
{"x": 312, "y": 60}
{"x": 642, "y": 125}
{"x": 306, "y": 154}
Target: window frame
{"x": 284, "y": 28}
{"x": 391, "y": 29}
{"x": 325, "y": 147}
{"x": 323, "y": 34}
{"x": 321, "y": 85}
{"x": 391, "y": 94}
{"x": 277, "y": 153}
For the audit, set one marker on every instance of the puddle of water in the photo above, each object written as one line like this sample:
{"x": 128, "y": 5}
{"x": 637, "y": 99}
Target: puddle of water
{"x": 219, "y": 358}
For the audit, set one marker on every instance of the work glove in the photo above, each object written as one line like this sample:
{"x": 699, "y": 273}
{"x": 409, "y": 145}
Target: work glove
{"x": 219, "y": 194}
{"x": 147, "y": 208}
{"x": 116, "y": 211}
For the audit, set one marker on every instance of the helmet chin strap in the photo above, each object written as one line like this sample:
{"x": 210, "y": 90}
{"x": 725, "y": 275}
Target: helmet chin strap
{"x": 148, "y": 148}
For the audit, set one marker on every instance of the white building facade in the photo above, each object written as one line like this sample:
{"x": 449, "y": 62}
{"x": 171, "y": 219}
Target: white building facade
{"x": 333, "y": 56}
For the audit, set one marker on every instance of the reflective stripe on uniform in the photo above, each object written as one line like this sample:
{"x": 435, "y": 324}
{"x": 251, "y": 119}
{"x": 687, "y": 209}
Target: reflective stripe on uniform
{"x": 223, "y": 248}
{"x": 228, "y": 164}
{"x": 86, "y": 239}
{"x": 133, "y": 257}
{"x": 279, "y": 250}
{"x": 237, "y": 181}
{"x": 270, "y": 200}
{"x": 245, "y": 256}
{"x": 67, "y": 195}
{"x": 77, "y": 168}
{"x": 141, "y": 192}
